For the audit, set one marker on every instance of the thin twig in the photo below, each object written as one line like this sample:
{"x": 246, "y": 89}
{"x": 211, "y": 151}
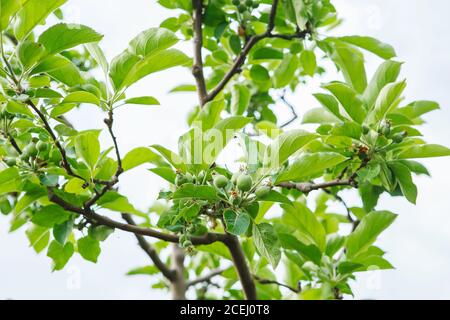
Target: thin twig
{"x": 65, "y": 162}
{"x": 206, "y": 278}
{"x": 267, "y": 281}
{"x": 291, "y": 107}
{"x": 307, "y": 187}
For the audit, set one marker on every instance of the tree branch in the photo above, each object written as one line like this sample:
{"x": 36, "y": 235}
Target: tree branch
{"x": 58, "y": 145}
{"x": 197, "y": 68}
{"x": 291, "y": 107}
{"x": 178, "y": 286}
{"x": 307, "y": 187}
{"x": 240, "y": 263}
{"x": 205, "y": 278}
{"x": 253, "y": 40}
{"x": 14, "y": 144}
{"x": 199, "y": 240}
{"x": 108, "y": 185}
{"x": 150, "y": 251}
{"x": 266, "y": 281}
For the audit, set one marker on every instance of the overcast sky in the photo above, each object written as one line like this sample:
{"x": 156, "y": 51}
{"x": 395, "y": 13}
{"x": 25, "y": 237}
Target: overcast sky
{"x": 417, "y": 243}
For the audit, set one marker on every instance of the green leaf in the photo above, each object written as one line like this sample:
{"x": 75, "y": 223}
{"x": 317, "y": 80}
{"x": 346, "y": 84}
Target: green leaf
{"x": 297, "y": 12}
{"x": 193, "y": 191}
{"x": 237, "y": 224}
{"x": 308, "y": 62}
{"x": 217, "y": 249}
{"x": 386, "y": 73}
{"x": 61, "y": 69}
{"x": 60, "y": 254}
{"x": 387, "y": 99}
{"x": 274, "y": 196}
{"x": 373, "y": 45}
{"x": 417, "y": 108}
{"x": 89, "y": 248}
{"x": 267, "y": 53}
{"x": 147, "y": 53}
{"x": 9, "y": 180}
{"x": 116, "y": 202}
{"x": 29, "y": 53}
{"x": 318, "y": 115}
{"x": 137, "y": 157}
{"x": 62, "y": 231}
{"x": 267, "y": 242}
{"x": 8, "y": 8}
{"x": 367, "y": 231}
{"x": 64, "y": 36}
{"x": 424, "y": 151}
{"x": 348, "y": 267}
{"x": 259, "y": 74}
{"x": 38, "y": 237}
{"x": 285, "y": 145}
{"x": 240, "y": 99}
{"x": 307, "y": 223}
{"x": 32, "y": 13}
{"x": 87, "y": 147}
{"x": 166, "y": 173}
{"x": 50, "y": 215}
{"x": 209, "y": 114}
{"x": 147, "y": 100}
{"x": 16, "y": 107}
{"x": 329, "y": 103}
{"x": 147, "y": 270}
{"x": 100, "y": 233}
{"x": 351, "y": 63}
{"x": 405, "y": 181}
{"x": 28, "y": 198}
{"x": 173, "y": 158}
{"x": 309, "y": 164}
{"x": 285, "y": 72}
{"x": 334, "y": 243}
{"x": 349, "y": 99}
{"x": 308, "y": 252}
{"x": 99, "y": 56}
{"x": 81, "y": 97}
{"x": 415, "y": 167}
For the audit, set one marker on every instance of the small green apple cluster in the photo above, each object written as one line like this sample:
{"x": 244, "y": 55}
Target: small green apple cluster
{"x": 384, "y": 129}
{"x": 243, "y": 190}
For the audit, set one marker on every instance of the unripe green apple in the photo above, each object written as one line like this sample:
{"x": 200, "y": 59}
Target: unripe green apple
{"x": 180, "y": 179}
{"x": 41, "y": 146}
{"x": 220, "y": 181}
{"x": 234, "y": 177}
{"x": 365, "y": 129}
{"x": 398, "y": 137}
{"x": 244, "y": 182}
{"x": 189, "y": 177}
{"x": 10, "y": 161}
{"x": 30, "y": 150}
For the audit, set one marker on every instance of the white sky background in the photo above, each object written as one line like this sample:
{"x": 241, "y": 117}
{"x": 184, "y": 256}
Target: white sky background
{"x": 417, "y": 243}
